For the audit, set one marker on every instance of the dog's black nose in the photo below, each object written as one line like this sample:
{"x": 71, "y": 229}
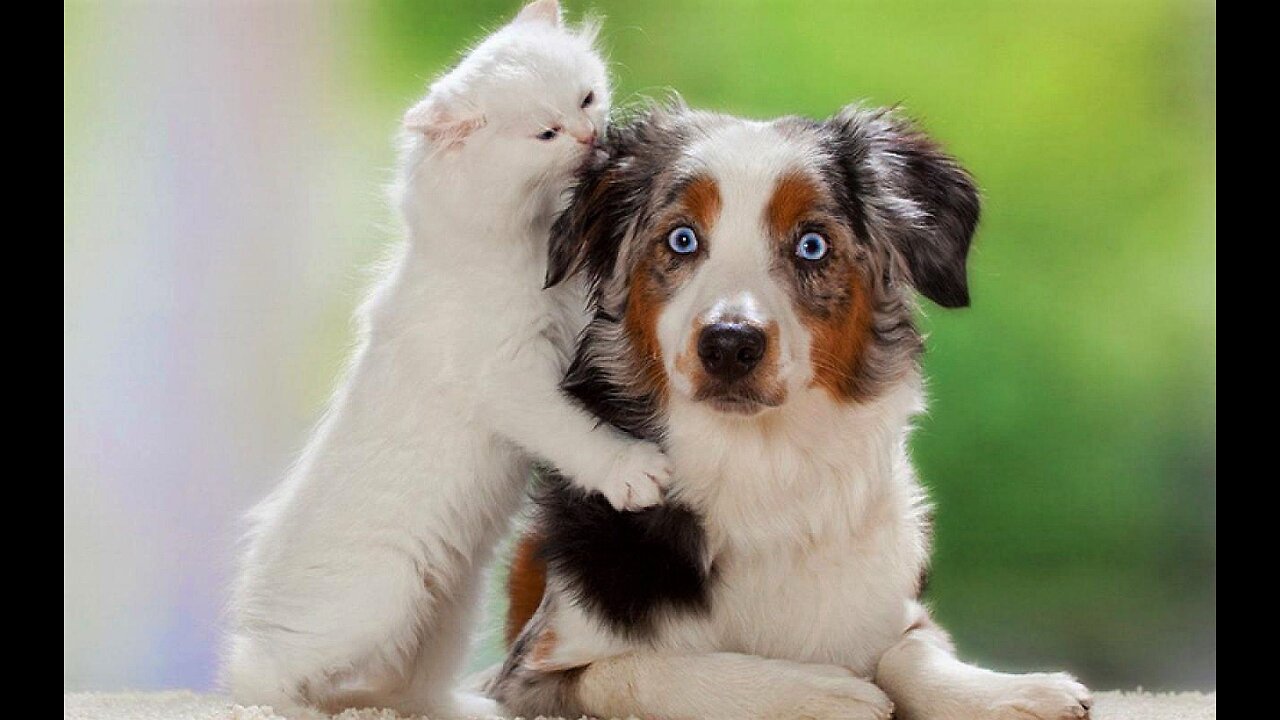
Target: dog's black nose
{"x": 730, "y": 350}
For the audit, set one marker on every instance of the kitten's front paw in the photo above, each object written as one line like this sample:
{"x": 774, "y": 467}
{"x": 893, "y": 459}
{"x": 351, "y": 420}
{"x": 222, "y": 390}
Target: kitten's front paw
{"x": 637, "y": 477}
{"x": 1045, "y": 696}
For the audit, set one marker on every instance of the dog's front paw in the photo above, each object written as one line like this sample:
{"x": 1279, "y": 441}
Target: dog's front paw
{"x": 836, "y": 698}
{"x": 636, "y": 478}
{"x": 1045, "y": 696}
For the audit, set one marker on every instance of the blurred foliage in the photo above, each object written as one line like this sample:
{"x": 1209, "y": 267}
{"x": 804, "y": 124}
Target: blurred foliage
{"x": 1071, "y": 442}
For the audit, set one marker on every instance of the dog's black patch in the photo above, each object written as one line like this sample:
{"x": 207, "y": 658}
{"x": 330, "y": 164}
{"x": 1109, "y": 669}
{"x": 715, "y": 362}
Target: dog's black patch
{"x": 626, "y": 567}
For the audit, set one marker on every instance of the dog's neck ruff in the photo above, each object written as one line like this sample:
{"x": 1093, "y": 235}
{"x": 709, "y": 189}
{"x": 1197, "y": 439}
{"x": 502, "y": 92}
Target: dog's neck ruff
{"x": 810, "y": 471}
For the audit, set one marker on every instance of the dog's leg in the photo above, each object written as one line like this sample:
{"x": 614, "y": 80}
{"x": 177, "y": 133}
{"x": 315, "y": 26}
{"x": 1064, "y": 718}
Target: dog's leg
{"x": 645, "y": 683}
{"x": 726, "y": 685}
{"x": 529, "y": 408}
{"x": 927, "y": 682}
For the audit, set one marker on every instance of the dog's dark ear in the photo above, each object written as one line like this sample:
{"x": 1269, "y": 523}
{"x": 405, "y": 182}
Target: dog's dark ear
{"x": 613, "y": 193}
{"x": 608, "y": 200}
{"x": 588, "y": 233}
{"x": 918, "y": 198}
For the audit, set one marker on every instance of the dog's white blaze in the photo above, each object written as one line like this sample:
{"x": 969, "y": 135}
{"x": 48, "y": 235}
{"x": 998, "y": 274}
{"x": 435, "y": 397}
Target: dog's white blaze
{"x": 735, "y": 280}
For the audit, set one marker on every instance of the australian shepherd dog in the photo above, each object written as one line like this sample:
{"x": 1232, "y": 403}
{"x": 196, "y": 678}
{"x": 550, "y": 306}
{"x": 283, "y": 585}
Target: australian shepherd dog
{"x": 755, "y": 297}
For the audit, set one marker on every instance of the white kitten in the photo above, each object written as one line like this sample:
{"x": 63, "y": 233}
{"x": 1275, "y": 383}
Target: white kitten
{"x": 363, "y": 568}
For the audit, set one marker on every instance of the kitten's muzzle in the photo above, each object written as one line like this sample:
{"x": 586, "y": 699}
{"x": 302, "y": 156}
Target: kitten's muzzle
{"x": 584, "y": 134}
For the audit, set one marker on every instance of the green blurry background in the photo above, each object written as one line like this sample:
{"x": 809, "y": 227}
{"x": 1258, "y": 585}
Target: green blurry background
{"x": 1071, "y": 441}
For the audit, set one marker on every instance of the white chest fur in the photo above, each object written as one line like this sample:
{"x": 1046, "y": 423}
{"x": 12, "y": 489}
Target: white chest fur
{"x": 816, "y": 526}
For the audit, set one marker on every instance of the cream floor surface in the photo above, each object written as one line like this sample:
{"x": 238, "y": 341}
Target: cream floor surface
{"x": 184, "y": 705}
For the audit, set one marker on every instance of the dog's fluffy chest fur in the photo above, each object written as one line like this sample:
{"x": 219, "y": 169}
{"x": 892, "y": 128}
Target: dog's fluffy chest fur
{"x": 802, "y": 537}
{"x": 839, "y": 600}
{"x": 813, "y": 520}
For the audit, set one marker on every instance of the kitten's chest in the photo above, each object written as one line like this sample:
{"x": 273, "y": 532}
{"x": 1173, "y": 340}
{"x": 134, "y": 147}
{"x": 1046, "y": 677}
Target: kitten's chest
{"x": 498, "y": 296}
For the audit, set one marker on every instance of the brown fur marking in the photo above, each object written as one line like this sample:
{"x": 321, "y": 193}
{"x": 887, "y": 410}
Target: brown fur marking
{"x": 794, "y": 199}
{"x": 526, "y": 581}
{"x": 701, "y": 200}
{"x": 839, "y": 342}
{"x": 650, "y": 282}
{"x": 841, "y": 323}
{"x": 644, "y": 304}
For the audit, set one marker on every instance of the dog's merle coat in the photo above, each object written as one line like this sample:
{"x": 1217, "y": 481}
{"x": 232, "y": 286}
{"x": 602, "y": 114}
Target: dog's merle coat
{"x": 901, "y": 215}
{"x": 911, "y": 205}
{"x": 626, "y": 566}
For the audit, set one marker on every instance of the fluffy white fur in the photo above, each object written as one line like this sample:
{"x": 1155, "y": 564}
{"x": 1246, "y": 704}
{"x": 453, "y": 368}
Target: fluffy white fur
{"x": 816, "y": 523}
{"x": 362, "y": 568}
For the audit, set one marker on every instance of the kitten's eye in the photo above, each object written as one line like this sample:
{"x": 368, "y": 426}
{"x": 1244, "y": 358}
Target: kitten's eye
{"x": 548, "y": 134}
{"x": 812, "y": 247}
{"x": 590, "y": 98}
{"x": 682, "y": 241}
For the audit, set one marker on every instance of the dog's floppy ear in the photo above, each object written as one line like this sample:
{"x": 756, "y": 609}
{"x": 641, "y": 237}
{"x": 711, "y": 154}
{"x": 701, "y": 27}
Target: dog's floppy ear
{"x": 918, "y": 198}
{"x": 612, "y": 196}
{"x": 589, "y": 233}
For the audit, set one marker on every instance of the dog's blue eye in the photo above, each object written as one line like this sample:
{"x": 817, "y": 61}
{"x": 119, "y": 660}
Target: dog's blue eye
{"x": 682, "y": 240}
{"x": 812, "y": 246}
{"x": 549, "y": 134}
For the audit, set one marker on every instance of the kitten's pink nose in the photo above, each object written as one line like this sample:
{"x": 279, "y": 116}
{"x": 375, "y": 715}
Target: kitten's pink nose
{"x": 587, "y": 139}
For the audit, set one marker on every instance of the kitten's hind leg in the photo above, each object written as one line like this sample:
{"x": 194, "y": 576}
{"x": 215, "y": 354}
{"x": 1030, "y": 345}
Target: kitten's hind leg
{"x": 432, "y": 688}
{"x": 329, "y": 647}
{"x": 255, "y": 678}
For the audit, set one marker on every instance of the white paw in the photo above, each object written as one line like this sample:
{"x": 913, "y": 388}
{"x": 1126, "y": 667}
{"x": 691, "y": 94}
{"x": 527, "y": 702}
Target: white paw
{"x": 636, "y": 478}
{"x": 836, "y": 698}
{"x": 1044, "y": 696}
{"x": 471, "y": 705}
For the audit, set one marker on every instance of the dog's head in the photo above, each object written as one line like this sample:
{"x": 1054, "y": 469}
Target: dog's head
{"x": 738, "y": 263}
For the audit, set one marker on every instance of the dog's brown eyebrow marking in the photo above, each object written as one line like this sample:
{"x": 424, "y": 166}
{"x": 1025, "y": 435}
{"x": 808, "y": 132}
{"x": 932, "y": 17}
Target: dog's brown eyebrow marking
{"x": 794, "y": 197}
{"x": 700, "y": 197}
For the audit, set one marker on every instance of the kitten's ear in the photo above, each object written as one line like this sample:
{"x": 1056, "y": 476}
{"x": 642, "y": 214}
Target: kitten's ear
{"x": 543, "y": 11}
{"x": 445, "y": 122}
{"x": 914, "y": 196}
